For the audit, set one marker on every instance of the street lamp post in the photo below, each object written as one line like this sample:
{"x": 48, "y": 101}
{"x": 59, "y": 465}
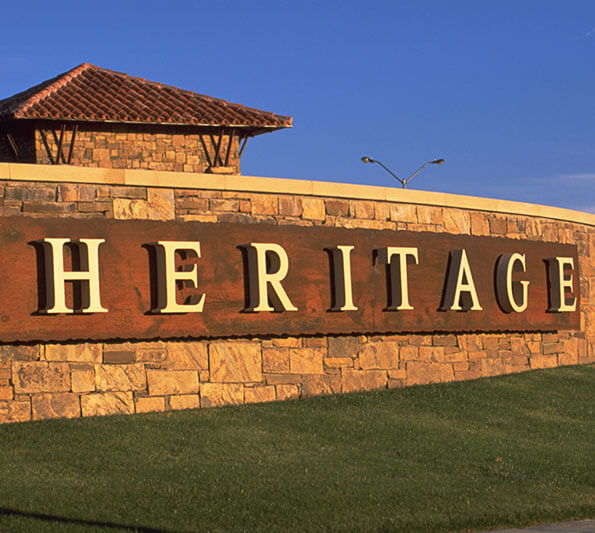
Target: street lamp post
{"x": 404, "y": 182}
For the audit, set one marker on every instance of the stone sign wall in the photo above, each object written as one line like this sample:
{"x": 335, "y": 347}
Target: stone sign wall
{"x": 72, "y": 379}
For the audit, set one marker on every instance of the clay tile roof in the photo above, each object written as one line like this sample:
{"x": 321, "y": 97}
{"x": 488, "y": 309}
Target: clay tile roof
{"x": 93, "y": 94}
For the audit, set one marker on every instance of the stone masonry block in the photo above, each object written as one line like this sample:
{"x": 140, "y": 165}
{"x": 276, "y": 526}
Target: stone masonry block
{"x": 162, "y": 382}
{"x": 57, "y": 405}
{"x": 30, "y": 377}
{"x": 188, "y": 355}
{"x": 379, "y": 355}
{"x": 336, "y": 207}
{"x": 456, "y": 221}
{"x": 359, "y": 380}
{"x": 316, "y": 385}
{"x": 125, "y": 209}
{"x": 85, "y": 353}
{"x": 217, "y": 394}
{"x": 184, "y": 401}
{"x": 306, "y": 360}
{"x": 235, "y": 362}
{"x": 403, "y": 213}
{"x": 421, "y": 372}
{"x": 343, "y": 346}
{"x": 313, "y": 208}
{"x": 150, "y": 404}
{"x": 160, "y": 204}
{"x": 287, "y": 392}
{"x": 265, "y": 393}
{"x": 107, "y": 403}
{"x": 275, "y": 360}
{"x": 120, "y": 377}
{"x": 15, "y": 411}
{"x": 82, "y": 380}
{"x": 264, "y": 204}
{"x": 9, "y": 353}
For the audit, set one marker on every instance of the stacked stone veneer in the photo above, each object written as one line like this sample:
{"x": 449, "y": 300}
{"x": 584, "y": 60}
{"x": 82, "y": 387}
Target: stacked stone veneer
{"x": 124, "y": 146}
{"x": 83, "y": 379}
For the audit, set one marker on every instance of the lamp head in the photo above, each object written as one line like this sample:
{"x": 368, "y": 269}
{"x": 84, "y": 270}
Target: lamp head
{"x": 367, "y": 159}
{"x": 437, "y": 162}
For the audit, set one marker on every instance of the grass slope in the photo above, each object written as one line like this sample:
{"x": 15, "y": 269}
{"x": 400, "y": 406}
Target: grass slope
{"x": 504, "y": 451}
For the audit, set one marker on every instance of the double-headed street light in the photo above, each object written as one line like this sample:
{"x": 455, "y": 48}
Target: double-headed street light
{"x": 404, "y": 183}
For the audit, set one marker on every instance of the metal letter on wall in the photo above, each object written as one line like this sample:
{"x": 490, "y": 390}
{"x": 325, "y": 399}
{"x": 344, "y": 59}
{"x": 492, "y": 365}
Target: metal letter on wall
{"x": 278, "y": 284}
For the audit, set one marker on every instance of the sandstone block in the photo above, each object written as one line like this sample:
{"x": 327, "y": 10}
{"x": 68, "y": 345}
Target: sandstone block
{"x": 364, "y": 209}
{"x": 409, "y": 353}
{"x": 40, "y": 377}
{"x": 275, "y": 360}
{"x": 444, "y": 340}
{"x": 288, "y": 342}
{"x": 57, "y": 405}
{"x": 403, "y": 213}
{"x": 107, "y": 403}
{"x": 266, "y": 393}
{"x": 9, "y": 353}
{"x": 379, "y": 355}
{"x": 431, "y": 353}
{"x": 290, "y": 206}
{"x": 313, "y": 208}
{"x": 306, "y": 360}
{"x": 316, "y": 385}
{"x": 498, "y": 225}
{"x": 217, "y": 394}
{"x": 220, "y": 204}
{"x": 282, "y": 379}
{"x": 397, "y": 374}
{"x": 187, "y": 356}
{"x": 287, "y": 392}
{"x": 343, "y": 346}
{"x": 196, "y": 204}
{"x": 120, "y": 377}
{"x": 86, "y": 353}
{"x": 238, "y": 362}
{"x": 338, "y": 362}
{"x": 150, "y": 404}
{"x": 125, "y": 209}
{"x": 67, "y": 192}
{"x": 543, "y": 361}
{"x": 6, "y": 392}
{"x": 264, "y": 204}
{"x": 421, "y": 372}
{"x": 492, "y": 367}
{"x": 456, "y": 221}
{"x": 358, "y": 380}
{"x": 162, "y": 382}
{"x": 479, "y": 224}
{"x": 119, "y": 357}
{"x": 550, "y": 348}
{"x": 336, "y": 207}
{"x": 160, "y": 204}
{"x": 82, "y": 380}
{"x": 429, "y": 215}
{"x": 16, "y": 411}
{"x": 184, "y": 401}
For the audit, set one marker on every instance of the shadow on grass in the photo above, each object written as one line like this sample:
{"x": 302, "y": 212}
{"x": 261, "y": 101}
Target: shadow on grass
{"x": 78, "y": 521}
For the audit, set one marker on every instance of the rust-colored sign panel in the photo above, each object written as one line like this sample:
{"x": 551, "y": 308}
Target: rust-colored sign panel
{"x": 64, "y": 279}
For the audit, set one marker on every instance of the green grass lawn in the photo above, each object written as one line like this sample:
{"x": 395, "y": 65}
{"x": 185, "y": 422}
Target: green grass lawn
{"x": 512, "y": 450}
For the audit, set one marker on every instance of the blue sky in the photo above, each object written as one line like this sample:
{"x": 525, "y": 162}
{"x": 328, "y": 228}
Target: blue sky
{"x": 504, "y": 91}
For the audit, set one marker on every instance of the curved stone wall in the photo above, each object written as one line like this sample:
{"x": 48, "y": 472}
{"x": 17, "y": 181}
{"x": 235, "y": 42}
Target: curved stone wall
{"x": 83, "y": 379}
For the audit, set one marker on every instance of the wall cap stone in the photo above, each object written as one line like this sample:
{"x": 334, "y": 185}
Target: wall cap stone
{"x": 187, "y": 180}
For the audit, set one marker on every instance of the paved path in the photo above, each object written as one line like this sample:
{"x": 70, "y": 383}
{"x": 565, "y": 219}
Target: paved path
{"x": 581, "y": 526}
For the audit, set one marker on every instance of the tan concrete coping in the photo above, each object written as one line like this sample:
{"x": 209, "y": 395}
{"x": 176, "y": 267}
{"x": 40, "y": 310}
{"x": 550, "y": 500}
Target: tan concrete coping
{"x": 188, "y": 180}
